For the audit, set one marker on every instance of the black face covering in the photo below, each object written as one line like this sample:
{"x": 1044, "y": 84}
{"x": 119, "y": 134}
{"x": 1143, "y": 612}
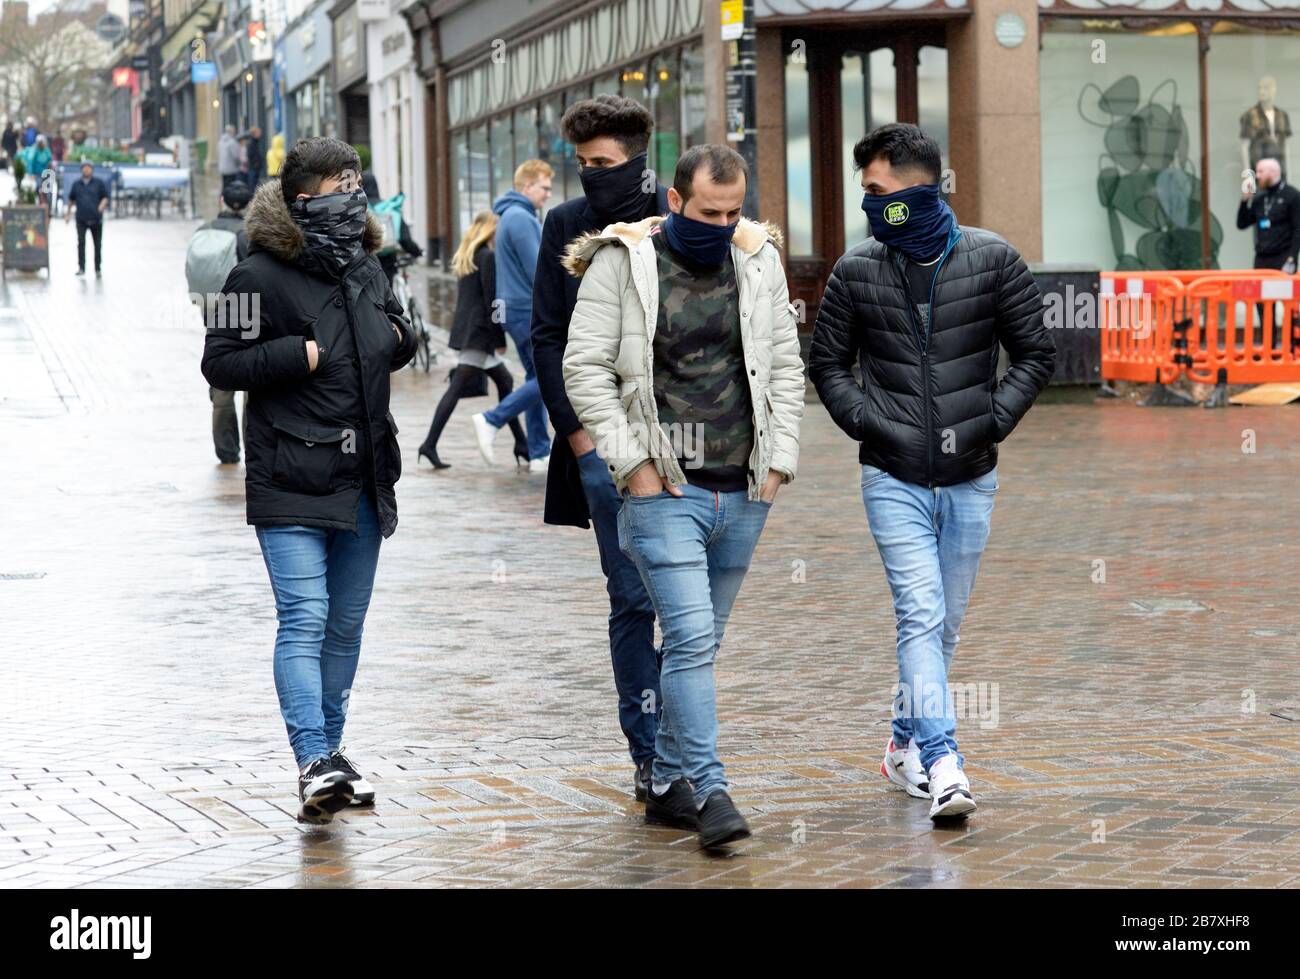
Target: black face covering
{"x": 333, "y": 225}
{"x": 618, "y": 193}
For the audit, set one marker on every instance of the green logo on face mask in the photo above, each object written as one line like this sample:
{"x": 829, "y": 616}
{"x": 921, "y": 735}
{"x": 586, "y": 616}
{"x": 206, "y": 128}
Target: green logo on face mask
{"x": 896, "y": 213}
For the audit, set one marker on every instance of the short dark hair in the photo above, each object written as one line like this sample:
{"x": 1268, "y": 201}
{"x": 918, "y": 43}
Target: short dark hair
{"x": 726, "y": 166}
{"x": 905, "y": 146}
{"x": 624, "y": 120}
{"x": 313, "y": 160}
{"x": 236, "y": 195}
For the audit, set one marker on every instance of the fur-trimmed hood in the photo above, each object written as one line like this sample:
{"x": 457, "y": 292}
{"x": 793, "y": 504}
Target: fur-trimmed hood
{"x": 269, "y": 225}
{"x": 750, "y": 236}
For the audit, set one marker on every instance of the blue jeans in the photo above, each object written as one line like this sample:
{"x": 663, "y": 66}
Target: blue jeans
{"x": 527, "y": 398}
{"x": 930, "y": 541}
{"x": 322, "y": 580}
{"x": 631, "y": 616}
{"x": 692, "y": 552}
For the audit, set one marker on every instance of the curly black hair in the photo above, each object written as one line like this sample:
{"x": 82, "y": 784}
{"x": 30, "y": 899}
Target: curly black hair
{"x": 625, "y": 120}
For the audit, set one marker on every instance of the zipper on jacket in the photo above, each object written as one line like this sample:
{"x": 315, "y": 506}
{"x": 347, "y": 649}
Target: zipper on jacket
{"x": 923, "y": 339}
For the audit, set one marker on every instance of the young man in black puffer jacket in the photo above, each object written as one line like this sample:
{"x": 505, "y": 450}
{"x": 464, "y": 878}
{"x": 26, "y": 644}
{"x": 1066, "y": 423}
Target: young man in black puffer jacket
{"x": 922, "y": 306}
{"x": 310, "y": 329}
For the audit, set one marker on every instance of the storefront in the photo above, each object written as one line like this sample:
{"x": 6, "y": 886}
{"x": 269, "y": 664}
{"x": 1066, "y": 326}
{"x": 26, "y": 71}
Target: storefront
{"x": 825, "y": 79}
{"x": 308, "y": 104}
{"x": 398, "y": 119}
{"x": 495, "y": 111}
{"x": 1153, "y": 115}
{"x": 350, "y": 73}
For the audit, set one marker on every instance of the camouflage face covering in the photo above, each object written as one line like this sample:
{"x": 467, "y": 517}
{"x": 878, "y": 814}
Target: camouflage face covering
{"x": 333, "y": 225}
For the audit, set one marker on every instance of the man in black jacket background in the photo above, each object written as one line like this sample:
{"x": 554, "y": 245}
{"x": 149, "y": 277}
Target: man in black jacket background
{"x": 922, "y": 307}
{"x": 610, "y": 135}
{"x": 1273, "y": 211}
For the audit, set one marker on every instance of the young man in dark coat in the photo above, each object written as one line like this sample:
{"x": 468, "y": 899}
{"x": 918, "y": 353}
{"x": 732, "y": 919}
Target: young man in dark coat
{"x": 922, "y": 306}
{"x": 310, "y": 329}
{"x": 610, "y": 135}
{"x": 225, "y": 416}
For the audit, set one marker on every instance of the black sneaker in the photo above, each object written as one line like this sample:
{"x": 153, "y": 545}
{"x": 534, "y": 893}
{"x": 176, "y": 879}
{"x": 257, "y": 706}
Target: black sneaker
{"x": 720, "y": 823}
{"x": 363, "y": 793}
{"x": 676, "y": 807}
{"x": 641, "y": 780}
{"x": 324, "y": 789}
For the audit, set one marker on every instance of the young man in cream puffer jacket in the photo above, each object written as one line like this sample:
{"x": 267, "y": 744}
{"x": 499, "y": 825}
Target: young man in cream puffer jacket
{"x": 683, "y": 365}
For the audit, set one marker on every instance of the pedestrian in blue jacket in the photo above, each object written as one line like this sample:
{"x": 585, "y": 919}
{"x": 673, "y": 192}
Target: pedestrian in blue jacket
{"x": 518, "y": 237}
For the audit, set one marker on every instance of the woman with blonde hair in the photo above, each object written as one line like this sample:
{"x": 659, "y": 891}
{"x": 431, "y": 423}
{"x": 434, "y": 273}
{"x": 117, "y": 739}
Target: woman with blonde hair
{"x": 476, "y": 335}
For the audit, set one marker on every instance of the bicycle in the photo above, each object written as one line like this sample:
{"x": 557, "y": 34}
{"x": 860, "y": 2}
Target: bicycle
{"x": 425, "y": 357}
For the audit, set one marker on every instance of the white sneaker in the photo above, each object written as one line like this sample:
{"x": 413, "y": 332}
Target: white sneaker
{"x": 539, "y": 465}
{"x": 950, "y": 790}
{"x": 484, "y": 433}
{"x": 902, "y": 766}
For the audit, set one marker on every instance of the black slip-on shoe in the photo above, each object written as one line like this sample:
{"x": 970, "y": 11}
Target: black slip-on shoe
{"x": 676, "y": 807}
{"x": 720, "y": 823}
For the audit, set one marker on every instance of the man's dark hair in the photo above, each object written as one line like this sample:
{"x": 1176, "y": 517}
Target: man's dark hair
{"x": 905, "y": 146}
{"x": 726, "y": 166}
{"x": 236, "y": 195}
{"x": 313, "y": 160}
{"x": 626, "y": 121}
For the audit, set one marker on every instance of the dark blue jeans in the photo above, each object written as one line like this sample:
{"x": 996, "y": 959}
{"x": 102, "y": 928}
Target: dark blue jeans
{"x": 527, "y": 398}
{"x": 322, "y": 580}
{"x": 631, "y": 616}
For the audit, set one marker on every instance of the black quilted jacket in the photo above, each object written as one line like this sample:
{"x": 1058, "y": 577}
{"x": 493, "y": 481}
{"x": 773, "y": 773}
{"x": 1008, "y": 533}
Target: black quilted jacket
{"x": 932, "y": 411}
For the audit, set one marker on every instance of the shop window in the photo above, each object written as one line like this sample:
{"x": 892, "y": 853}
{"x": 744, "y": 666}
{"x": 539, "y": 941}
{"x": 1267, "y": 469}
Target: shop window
{"x": 868, "y": 98}
{"x": 666, "y": 106}
{"x": 606, "y": 84}
{"x": 502, "y": 155}
{"x": 1120, "y": 136}
{"x": 636, "y": 85}
{"x": 480, "y": 171}
{"x": 694, "y": 97}
{"x": 462, "y": 216}
{"x": 1254, "y": 109}
{"x": 932, "y": 95}
{"x": 550, "y": 140}
{"x": 798, "y": 160}
{"x": 525, "y": 133}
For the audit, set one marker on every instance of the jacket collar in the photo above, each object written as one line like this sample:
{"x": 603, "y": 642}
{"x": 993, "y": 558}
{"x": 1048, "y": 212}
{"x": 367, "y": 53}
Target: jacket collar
{"x": 749, "y": 238}
{"x": 270, "y": 227}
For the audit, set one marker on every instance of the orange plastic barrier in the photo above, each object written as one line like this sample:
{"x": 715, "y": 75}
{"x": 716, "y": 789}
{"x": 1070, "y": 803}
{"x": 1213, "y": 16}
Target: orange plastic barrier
{"x": 1136, "y": 313}
{"x": 1238, "y": 326}
{"x": 1243, "y": 330}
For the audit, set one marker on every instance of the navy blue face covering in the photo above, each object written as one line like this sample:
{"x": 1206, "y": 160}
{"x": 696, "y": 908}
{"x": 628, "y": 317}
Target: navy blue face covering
{"x": 703, "y": 243}
{"x": 915, "y": 221}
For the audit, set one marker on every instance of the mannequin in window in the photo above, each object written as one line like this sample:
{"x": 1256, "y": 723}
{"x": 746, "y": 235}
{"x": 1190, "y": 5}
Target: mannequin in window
{"x": 1264, "y": 128}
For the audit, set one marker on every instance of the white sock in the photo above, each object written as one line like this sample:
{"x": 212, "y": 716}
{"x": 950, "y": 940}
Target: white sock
{"x": 659, "y": 788}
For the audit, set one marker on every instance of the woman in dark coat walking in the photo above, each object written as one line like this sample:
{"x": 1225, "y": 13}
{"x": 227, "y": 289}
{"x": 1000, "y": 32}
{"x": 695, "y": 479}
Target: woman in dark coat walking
{"x": 308, "y": 326}
{"x": 478, "y": 337}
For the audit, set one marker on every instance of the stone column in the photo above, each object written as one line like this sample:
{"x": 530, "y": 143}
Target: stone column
{"x": 993, "y": 125}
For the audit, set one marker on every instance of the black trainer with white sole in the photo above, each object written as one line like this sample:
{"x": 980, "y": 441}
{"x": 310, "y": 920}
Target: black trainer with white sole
{"x": 324, "y": 789}
{"x": 363, "y": 793}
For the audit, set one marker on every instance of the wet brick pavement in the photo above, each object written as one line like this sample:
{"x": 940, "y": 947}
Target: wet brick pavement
{"x": 1133, "y": 732}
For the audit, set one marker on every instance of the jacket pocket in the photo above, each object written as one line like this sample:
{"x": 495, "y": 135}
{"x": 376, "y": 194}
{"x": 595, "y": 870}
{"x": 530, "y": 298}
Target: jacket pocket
{"x": 313, "y": 459}
{"x": 394, "y": 448}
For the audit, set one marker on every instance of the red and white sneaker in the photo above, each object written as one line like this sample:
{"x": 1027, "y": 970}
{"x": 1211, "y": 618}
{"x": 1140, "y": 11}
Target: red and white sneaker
{"x": 902, "y": 766}
{"x": 949, "y": 790}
